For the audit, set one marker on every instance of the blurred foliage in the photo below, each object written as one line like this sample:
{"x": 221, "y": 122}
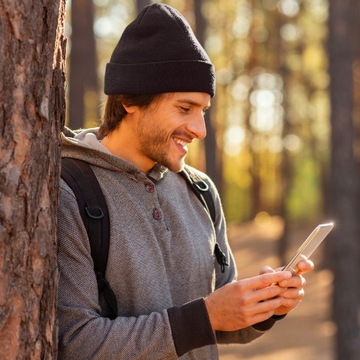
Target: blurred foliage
{"x": 271, "y": 109}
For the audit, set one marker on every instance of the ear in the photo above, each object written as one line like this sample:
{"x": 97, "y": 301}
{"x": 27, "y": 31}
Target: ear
{"x": 130, "y": 109}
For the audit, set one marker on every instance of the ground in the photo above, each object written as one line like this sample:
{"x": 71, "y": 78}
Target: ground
{"x": 307, "y": 332}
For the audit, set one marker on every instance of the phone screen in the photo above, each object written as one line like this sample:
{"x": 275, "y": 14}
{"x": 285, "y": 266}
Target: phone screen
{"x": 308, "y": 246}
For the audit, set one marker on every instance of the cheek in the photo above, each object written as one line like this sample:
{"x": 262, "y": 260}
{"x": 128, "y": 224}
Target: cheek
{"x": 153, "y": 136}
{"x": 160, "y": 128}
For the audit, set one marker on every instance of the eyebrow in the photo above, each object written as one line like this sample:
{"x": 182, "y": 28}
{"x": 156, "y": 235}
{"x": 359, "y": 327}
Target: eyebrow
{"x": 193, "y": 103}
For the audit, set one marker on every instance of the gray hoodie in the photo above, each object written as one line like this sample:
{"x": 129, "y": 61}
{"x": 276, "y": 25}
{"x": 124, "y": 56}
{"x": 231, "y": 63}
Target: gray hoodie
{"x": 161, "y": 265}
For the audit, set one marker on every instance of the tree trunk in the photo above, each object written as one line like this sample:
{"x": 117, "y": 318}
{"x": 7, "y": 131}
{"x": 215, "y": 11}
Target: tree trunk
{"x": 286, "y": 171}
{"x": 32, "y": 111}
{"x": 140, "y": 4}
{"x": 83, "y": 76}
{"x": 213, "y": 164}
{"x": 344, "y": 181}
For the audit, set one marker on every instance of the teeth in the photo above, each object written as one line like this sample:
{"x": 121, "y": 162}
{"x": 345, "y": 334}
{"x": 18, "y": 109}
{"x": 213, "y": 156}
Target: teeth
{"x": 182, "y": 143}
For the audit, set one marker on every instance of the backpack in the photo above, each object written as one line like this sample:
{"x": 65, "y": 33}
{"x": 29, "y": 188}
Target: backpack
{"x": 94, "y": 212}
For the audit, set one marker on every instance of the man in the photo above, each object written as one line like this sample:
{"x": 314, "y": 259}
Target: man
{"x": 173, "y": 298}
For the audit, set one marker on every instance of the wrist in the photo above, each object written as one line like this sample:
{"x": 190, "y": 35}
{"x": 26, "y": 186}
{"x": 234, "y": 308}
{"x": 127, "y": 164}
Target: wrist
{"x": 209, "y": 308}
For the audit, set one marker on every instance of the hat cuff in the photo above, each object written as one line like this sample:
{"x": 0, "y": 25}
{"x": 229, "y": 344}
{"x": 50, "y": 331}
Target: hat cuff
{"x": 160, "y": 77}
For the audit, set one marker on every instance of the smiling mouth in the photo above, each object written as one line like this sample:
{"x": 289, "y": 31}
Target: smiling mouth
{"x": 182, "y": 145}
{"x": 181, "y": 142}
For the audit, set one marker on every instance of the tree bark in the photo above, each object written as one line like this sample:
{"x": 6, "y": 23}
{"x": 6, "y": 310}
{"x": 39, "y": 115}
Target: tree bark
{"x": 344, "y": 180}
{"x": 32, "y": 106}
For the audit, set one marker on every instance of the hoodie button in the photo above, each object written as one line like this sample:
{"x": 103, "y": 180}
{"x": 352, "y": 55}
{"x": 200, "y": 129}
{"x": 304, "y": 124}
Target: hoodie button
{"x": 157, "y": 214}
{"x": 150, "y": 187}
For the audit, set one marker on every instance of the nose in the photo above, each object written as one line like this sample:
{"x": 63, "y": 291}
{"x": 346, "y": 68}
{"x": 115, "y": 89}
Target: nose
{"x": 197, "y": 126}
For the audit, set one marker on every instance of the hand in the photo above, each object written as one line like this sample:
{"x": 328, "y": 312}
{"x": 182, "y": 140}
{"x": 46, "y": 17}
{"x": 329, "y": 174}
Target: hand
{"x": 243, "y": 303}
{"x": 293, "y": 288}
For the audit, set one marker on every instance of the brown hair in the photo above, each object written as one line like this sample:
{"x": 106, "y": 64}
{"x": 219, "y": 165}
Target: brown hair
{"x": 115, "y": 111}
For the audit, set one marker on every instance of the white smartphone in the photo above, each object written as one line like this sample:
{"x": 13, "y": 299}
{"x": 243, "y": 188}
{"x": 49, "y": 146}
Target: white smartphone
{"x": 308, "y": 246}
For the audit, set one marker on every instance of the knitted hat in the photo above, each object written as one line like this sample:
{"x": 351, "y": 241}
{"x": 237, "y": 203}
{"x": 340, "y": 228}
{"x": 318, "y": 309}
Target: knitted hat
{"x": 157, "y": 53}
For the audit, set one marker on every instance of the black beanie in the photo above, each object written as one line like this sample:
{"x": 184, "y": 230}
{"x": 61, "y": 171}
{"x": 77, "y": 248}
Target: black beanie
{"x": 157, "y": 53}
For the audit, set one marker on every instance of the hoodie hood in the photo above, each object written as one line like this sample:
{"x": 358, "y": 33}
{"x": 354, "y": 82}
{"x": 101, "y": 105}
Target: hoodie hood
{"x": 85, "y": 145}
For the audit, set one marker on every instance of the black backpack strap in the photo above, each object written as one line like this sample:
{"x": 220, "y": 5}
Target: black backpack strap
{"x": 202, "y": 191}
{"x": 94, "y": 213}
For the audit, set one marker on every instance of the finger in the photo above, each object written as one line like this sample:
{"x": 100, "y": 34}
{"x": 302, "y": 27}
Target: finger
{"x": 292, "y": 294}
{"x": 266, "y": 270}
{"x": 263, "y": 295}
{"x": 264, "y": 280}
{"x": 305, "y": 266}
{"x": 261, "y": 317}
{"x": 297, "y": 281}
{"x": 292, "y": 302}
{"x": 264, "y": 307}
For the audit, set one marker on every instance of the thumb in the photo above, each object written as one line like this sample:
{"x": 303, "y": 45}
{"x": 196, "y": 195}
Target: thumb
{"x": 266, "y": 270}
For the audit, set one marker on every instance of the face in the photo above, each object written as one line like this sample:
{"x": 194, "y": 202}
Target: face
{"x": 168, "y": 125}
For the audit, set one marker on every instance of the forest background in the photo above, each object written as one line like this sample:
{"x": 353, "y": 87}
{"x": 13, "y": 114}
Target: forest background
{"x": 282, "y": 147}
{"x": 283, "y": 129}
{"x": 269, "y": 125}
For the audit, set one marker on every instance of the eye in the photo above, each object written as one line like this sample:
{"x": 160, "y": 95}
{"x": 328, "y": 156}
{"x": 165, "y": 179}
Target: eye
{"x": 185, "y": 109}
